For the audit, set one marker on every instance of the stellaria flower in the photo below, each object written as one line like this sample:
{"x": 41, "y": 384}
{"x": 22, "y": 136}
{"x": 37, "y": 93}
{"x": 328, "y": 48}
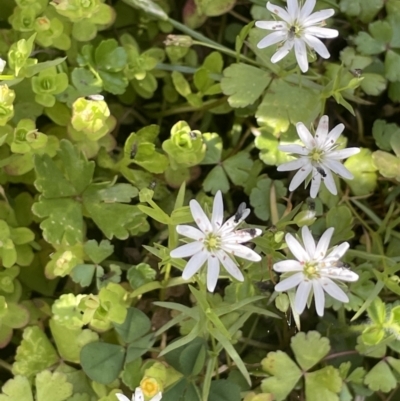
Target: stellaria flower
{"x": 318, "y": 157}
{"x": 214, "y": 241}
{"x": 314, "y": 271}
{"x": 299, "y": 29}
{"x": 2, "y": 65}
{"x": 138, "y": 396}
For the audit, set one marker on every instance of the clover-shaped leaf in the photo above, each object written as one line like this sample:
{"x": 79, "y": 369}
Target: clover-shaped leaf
{"x": 244, "y": 84}
{"x": 381, "y": 378}
{"x": 98, "y": 252}
{"x": 309, "y": 348}
{"x": 284, "y": 375}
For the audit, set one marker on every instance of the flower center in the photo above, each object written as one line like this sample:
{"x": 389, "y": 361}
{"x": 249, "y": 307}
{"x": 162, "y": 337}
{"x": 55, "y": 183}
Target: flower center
{"x": 316, "y": 155}
{"x": 212, "y": 242}
{"x": 149, "y": 386}
{"x": 311, "y": 270}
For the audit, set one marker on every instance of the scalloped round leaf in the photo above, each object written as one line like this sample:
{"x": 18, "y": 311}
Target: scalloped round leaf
{"x": 284, "y": 375}
{"x": 55, "y": 384}
{"x": 381, "y": 378}
{"x": 98, "y": 252}
{"x": 387, "y": 164}
{"x": 216, "y": 180}
{"x": 34, "y": 354}
{"x": 102, "y": 362}
{"x": 83, "y": 274}
{"x": 17, "y": 389}
{"x": 324, "y": 384}
{"x": 244, "y": 84}
{"x": 309, "y": 348}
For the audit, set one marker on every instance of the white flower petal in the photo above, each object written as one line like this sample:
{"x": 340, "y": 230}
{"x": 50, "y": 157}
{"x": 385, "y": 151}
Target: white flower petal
{"x": 187, "y": 250}
{"x": 293, "y": 8}
{"x": 279, "y": 11}
{"x": 323, "y": 244}
{"x": 285, "y": 266}
{"x": 241, "y": 236}
{"x": 319, "y": 297}
{"x": 271, "y": 25}
{"x": 283, "y": 51}
{"x": 343, "y": 153}
{"x": 340, "y": 273}
{"x": 338, "y": 168}
{"x": 301, "y": 54}
{"x": 330, "y": 182}
{"x": 317, "y": 45}
{"x": 157, "y": 397}
{"x": 297, "y": 250}
{"x": 338, "y": 252}
{"x": 308, "y": 241}
{"x": 305, "y": 136}
{"x": 302, "y": 294}
{"x": 138, "y": 395}
{"x": 232, "y": 223}
{"x": 190, "y": 232}
{"x": 212, "y": 272}
{"x": 322, "y": 130}
{"x": 334, "y": 290}
{"x": 296, "y": 149}
{"x": 200, "y": 217}
{"x": 241, "y": 251}
{"x": 300, "y": 176}
{"x": 307, "y": 9}
{"x": 294, "y": 164}
{"x": 218, "y": 211}
{"x": 290, "y": 282}
{"x": 194, "y": 264}
{"x": 230, "y": 265}
{"x": 318, "y": 17}
{"x": 334, "y": 134}
{"x": 122, "y": 397}
{"x": 271, "y": 39}
{"x": 3, "y": 64}
{"x": 324, "y": 33}
{"x": 315, "y": 184}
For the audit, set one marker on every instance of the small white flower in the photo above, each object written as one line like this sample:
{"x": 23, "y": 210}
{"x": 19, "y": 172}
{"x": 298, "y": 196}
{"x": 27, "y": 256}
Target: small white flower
{"x": 318, "y": 157}
{"x": 138, "y": 396}
{"x": 215, "y": 241}
{"x": 313, "y": 271}
{"x": 299, "y": 29}
{"x": 2, "y": 65}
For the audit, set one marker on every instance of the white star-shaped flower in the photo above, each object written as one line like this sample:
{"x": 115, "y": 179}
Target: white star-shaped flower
{"x": 299, "y": 29}
{"x": 138, "y": 396}
{"x": 2, "y": 65}
{"x": 318, "y": 157}
{"x": 214, "y": 241}
{"x": 314, "y": 271}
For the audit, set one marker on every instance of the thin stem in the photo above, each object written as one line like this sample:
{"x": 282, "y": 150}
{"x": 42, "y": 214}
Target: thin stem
{"x": 5, "y": 365}
{"x": 340, "y": 354}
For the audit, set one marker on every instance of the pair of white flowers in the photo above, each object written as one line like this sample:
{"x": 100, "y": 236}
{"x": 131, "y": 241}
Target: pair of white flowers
{"x": 297, "y": 28}
{"x": 217, "y": 243}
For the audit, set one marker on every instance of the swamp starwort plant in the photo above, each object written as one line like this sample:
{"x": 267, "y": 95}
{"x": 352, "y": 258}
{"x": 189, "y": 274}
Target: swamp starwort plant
{"x": 138, "y": 396}
{"x": 314, "y": 270}
{"x": 299, "y": 28}
{"x": 215, "y": 241}
{"x": 318, "y": 157}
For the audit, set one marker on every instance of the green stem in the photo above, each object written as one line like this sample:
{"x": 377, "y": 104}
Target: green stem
{"x": 5, "y": 365}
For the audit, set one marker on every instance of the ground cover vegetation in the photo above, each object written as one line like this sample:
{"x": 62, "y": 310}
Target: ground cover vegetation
{"x": 199, "y": 200}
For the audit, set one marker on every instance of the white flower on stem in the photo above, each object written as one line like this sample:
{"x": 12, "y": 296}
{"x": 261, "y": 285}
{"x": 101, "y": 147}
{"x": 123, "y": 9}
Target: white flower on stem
{"x": 138, "y": 396}
{"x": 214, "y": 242}
{"x": 2, "y": 65}
{"x": 298, "y": 28}
{"x": 318, "y": 157}
{"x": 314, "y": 271}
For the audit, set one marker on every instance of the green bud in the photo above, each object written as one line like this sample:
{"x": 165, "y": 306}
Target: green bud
{"x": 7, "y": 97}
{"x": 18, "y": 55}
{"x": 27, "y": 137}
{"x": 76, "y": 10}
{"x": 178, "y": 40}
{"x": 185, "y": 148}
{"x": 90, "y": 116}
{"x": 372, "y": 335}
{"x": 305, "y": 218}
{"x": 23, "y": 20}
{"x": 282, "y": 302}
